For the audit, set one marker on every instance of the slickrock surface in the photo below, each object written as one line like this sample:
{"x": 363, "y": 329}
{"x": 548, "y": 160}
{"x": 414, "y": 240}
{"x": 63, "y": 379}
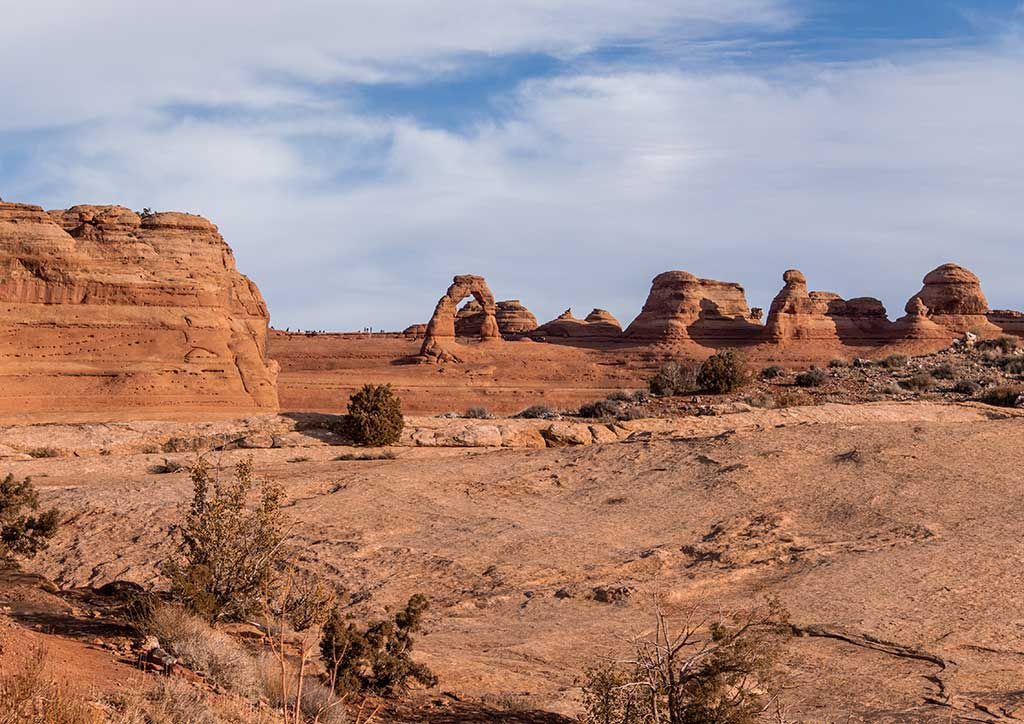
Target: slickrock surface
{"x": 683, "y": 308}
{"x": 103, "y": 310}
{"x": 863, "y": 520}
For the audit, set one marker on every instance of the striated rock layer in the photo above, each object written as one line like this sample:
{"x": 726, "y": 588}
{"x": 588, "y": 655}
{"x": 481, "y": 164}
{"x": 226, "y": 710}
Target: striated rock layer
{"x": 681, "y": 307}
{"x": 103, "y": 310}
{"x": 955, "y": 301}
{"x": 799, "y": 315}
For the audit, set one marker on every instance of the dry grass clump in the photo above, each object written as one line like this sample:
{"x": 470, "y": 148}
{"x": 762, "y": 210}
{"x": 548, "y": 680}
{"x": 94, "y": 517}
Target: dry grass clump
{"x": 813, "y": 377}
{"x": 538, "y": 412}
{"x": 44, "y": 452}
{"x": 388, "y": 455}
{"x": 673, "y": 378}
{"x": 722, "y": 671}
{"x": 1004, "y": 344}
{"x": 316, "y": 702}
{"x": 1003, "y": 397}
{"x": 772, "y": 372}
{"x": 966, "y": 387}
{"x": 28, "y": 695}
{"x": 478, "y": 413}
{"x": 204, "y": 649}
{"x": 919, "y": 381}
{"x": 167, "y": 701}
{"x": 944, "y": 371}
{"x": 894, "y": 361}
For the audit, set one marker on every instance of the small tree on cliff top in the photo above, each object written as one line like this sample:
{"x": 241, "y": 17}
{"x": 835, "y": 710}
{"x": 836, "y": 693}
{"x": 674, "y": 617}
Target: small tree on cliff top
{"x": 374, "y": 416}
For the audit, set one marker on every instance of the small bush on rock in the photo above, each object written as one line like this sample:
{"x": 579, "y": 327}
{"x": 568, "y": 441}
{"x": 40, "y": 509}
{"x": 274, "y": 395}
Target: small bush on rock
{"x": 919, "y": 381}
{"x": 838, "y": 364}
{"x": 966, "y": 387}
{"x": 478, "y": 413}
{"x": 812, "y": 378}
{"x": 722, "y": 372}
{"x": 600, "y": 408}
{"x": 24, "y": 531}
{"x": 1004, "y": 397}
{"x": 375, "y": 659}
{"x": 374, "y": 416}
{"x": 673, "y": 378}
{"x": 773, "y": 372}
{"x": 228, "y": 552}
{"x": 537, "y": 412}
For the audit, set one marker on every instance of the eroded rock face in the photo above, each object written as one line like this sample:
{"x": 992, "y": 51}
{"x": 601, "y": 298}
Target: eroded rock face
{"x": 512, "y": 317}
{"x": 955, "y": 301}
{"x": 599, "y": 324}
{"x": 797, "y": 314}
{"x": 103, "y": 310}
{"x": 918, "y": 326}
{"x": 439, "y": 340}
{"x": 682, "y": 307}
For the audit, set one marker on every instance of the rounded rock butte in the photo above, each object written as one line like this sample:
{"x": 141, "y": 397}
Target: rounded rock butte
{"x": 598, "y": 325}
{"x": 955, "y": 301}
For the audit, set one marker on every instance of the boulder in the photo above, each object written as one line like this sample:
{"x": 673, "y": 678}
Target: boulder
{"x": 681, "y": 307}
{"x": 104, "y": 310}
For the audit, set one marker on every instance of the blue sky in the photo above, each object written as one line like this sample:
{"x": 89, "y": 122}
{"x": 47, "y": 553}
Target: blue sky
{"x": 358, "y": 154}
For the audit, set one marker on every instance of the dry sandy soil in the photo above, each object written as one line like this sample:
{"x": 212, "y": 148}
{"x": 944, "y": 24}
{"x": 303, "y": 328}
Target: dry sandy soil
{"x": 891, "y": 532}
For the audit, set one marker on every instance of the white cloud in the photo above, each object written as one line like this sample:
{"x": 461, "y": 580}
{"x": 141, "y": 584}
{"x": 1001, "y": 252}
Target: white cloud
{"x": 864, "y": 175}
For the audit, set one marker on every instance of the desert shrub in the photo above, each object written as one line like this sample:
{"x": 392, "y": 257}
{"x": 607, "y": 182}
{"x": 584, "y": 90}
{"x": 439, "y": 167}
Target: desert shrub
{"x": 811, "y": 378}
{"x": 722, "y": 372}
{"x": 781, "y": 400}
{"x": 944, "y": 371}
{"x": 203, "y": 648}
{"x": 24, "y": 531}
{"x": 166, "y": 467}
{"x": 721, "y": 673}
{"x": 387, "y": 455}
{"x": 894, "y": 361}
{"x": 375, "y": 659}
{"x": 1004, "y": 344}
{"x": 917, "y": 381}
{"x": 966, "y": 387}
{"x": 478, "y": 413}
{"x": 599, "y": 409}
{"x": 621, "y": 396}
{"x": 673, "y": 378}
{"x": 641, "y": 396}
{"x": 29, "y": 696}
{"x": 631, "y": 413}
{"x": 838, "y": 363}
{"x": 303, "y": 600}
{"x": 317, "y": 702}
{"x": 228, "y": 552}
{"x": 773, "y": 372}
{"x": 44, "y": 452}
{"x": 166, "y": 701}
{"x": 374, "y": 416}
{"x": 535, "y": 412}
{"x": 1002, "y": 396}
{"x": 1011, "y": 364}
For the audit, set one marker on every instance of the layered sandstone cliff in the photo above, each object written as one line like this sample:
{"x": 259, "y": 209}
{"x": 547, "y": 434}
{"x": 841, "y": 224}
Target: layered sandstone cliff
{"x": 512, "y": 317}
{"x": 955, "y": 301}
{"x": 683, "y": 308}
{"x": 598, "y": 325}
{"x": 101, "y": 309}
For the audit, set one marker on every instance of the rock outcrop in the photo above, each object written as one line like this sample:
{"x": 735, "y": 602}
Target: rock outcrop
{"x": 917, "y": 325}
{"x": 799, "y": 315}
{"x": 102, "y": 309}
{"x": 955, "y": 301}
{"x": 439, "y": 340}
{"x": 512, "y": 317}
{"x": 682, "y": 308}
{"x": 1008, "y": 320}
{"x": 598, "y": 325}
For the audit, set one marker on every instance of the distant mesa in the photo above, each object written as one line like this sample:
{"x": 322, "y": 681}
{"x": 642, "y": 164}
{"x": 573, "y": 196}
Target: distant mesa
{"x": 105, "y": 309}
{"x": 682, "y": 308}
{"x": 598, "y": 325}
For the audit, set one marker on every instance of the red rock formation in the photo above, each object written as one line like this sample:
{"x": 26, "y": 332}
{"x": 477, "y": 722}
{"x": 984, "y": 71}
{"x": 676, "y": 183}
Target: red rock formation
{"x": 103, "y": 310}
{"x": 917, "y": 326}
{"x": 597, "y": 325}
{"x": 415, "y": 330}
{"x": 439, "y": 340}
{"x": 797, "y": 314}
{"x": 1008, "y": 320}
{"x": 681, "y": 308}
{"x": 955, "y": 301}
{"x": 512, "y": 317}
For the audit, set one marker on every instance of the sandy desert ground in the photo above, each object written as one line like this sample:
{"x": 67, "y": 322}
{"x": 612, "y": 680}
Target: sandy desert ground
{"x": 890, "y": 531}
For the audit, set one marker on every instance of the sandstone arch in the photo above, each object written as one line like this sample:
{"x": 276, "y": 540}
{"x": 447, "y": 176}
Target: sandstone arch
{"x": 439, "y": 340}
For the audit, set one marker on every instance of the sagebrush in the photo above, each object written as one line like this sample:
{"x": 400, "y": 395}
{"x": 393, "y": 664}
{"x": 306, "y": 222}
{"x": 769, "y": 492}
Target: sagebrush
{"x": 374, "y": 416}
{"x": 722, "y": 372}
